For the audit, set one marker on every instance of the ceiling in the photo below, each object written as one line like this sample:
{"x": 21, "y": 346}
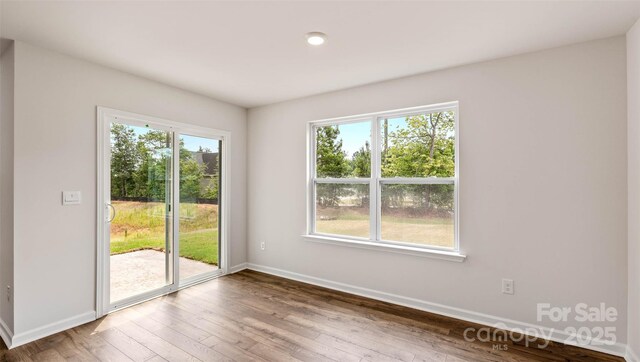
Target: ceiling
{"x": 255, "y": 53}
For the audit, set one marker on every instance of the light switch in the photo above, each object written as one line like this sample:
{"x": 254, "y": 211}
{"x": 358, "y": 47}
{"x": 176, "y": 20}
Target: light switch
{"x": 71, "y": 197}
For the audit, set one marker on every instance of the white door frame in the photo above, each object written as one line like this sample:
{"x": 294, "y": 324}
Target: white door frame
{"x": 104, "y": 118}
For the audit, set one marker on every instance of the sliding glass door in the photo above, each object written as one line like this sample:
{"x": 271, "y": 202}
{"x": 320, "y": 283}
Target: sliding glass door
{"x": 199, "y": 206}
{"x": 161, "y": 225}
{"x": 140, "y": 200}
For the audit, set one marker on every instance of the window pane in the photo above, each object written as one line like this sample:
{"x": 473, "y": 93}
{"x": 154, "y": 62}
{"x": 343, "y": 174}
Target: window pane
{"x": 342, "y": 209}
{"x": 421, "y": 214}
{"x": 199, "y": 195}
{"x": 418, "y": 146}
{"x": 140, "y": 232}
{"x": 343, "y": 150}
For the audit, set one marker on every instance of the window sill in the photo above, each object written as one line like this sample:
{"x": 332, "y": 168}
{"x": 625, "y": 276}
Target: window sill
{"x": 407, "y": 250}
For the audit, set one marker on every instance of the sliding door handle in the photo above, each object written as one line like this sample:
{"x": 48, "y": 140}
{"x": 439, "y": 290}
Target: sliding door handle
{"x": 113, "y": 213}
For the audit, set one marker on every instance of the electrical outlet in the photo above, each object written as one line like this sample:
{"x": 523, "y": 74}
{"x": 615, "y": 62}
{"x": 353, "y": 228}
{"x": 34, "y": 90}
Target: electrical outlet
{"x": 507, "y": 286}
{"x": 8, "y": 293}
{"x": 263, "y": 245}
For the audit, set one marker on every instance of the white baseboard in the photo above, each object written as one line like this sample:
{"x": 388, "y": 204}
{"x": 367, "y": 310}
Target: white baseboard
{"x": 53, "y": 328}
{"x": 5, "y": 333}
{"x": 617, "y": 349}
{"x": 631, "y": 356}
{"x": 237, "y": 268}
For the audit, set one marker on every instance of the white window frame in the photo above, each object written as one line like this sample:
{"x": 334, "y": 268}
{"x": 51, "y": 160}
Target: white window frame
{"x": 375, "y": 182}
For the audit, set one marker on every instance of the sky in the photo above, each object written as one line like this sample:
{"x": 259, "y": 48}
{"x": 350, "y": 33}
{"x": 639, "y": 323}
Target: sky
{"x": 191, "y": 143}
{"x": 354, "y": 135}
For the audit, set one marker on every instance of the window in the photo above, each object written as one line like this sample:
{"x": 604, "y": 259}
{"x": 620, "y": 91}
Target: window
{"x": 387, "y": 178}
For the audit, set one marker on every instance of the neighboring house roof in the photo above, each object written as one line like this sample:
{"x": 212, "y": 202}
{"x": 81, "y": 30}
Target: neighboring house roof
{"x": 210, "y": 160}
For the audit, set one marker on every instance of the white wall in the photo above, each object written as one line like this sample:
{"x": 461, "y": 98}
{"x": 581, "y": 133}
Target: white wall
{"x": 633, "y": 129}
{"x": 542, "y": 190}
{"x": 55, "y": 149}
{"x": 7, "y": 67}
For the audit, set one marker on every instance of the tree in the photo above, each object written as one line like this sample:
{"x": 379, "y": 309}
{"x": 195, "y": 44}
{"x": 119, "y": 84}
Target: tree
{"x": 141, "y": 167}
{"x": 191, "y": 175}
{"x": 154, "y": 152}
{"x": 211, "y": 169}
{"x": 361, "y": 167}
{"x": 124, "y": 159}
{"x": 425, "y": 147}
{"x": 212, "y": 191}
{"x": 361, "y": 162}
{"x": 331, "y": 161}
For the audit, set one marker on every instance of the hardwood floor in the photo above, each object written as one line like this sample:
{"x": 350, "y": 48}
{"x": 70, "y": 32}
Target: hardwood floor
{"x": 250, "y": 316}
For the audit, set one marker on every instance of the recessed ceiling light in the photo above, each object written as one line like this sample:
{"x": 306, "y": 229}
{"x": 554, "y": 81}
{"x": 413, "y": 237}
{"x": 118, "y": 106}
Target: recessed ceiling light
{"x": 316, "y": 38}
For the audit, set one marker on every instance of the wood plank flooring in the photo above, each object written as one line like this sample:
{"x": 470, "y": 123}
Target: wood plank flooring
{"x": 251, "y": 316}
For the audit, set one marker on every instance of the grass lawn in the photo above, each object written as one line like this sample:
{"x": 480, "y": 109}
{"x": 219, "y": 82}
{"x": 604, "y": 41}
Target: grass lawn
{"x": 196, "y": 245}
{"x": 432, "y": 231}
{"x": 140, "y": 225}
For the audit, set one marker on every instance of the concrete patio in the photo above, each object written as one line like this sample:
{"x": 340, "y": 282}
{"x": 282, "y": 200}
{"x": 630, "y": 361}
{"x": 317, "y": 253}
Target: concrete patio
{"x": 140, "y": 271}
